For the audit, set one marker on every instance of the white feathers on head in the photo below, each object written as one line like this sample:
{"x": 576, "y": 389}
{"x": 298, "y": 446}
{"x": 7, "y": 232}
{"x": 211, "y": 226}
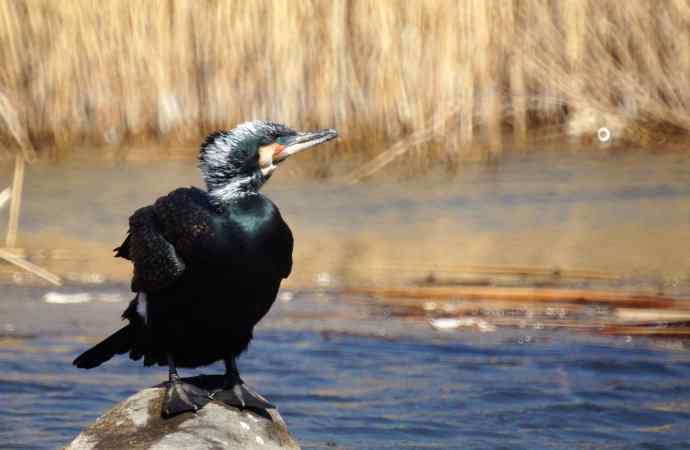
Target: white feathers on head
{"x": 226, "y": 178}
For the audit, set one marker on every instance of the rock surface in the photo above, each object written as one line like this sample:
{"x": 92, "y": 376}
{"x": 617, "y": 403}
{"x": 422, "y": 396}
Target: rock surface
{"x": 136, "y": 423}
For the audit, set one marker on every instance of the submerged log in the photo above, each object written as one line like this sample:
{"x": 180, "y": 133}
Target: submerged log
{"x": 527, "y": 295}
{"x": 136, "y": 423}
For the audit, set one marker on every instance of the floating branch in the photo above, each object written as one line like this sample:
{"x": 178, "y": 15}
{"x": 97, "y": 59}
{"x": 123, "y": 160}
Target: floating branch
{"x": 30, "y": 267}
{"x": 525, "y": 295}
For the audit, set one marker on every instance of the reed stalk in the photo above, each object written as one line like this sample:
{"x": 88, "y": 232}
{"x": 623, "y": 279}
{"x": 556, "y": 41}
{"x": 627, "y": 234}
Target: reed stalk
{"x": 111, "y": 72}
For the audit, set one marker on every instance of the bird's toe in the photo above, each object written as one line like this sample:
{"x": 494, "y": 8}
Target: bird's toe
{"x": 183, "y": 397}
{"x": 243, "y": 397}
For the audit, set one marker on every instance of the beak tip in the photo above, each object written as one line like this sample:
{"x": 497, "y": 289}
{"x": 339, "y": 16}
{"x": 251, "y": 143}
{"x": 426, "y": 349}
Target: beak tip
{"x": 304, "y": 140}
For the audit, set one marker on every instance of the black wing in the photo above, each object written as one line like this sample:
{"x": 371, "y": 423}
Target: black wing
{"x": 160, "y": 234}
{"x": 156, "y": 262}
{"x": 185, "y": 219}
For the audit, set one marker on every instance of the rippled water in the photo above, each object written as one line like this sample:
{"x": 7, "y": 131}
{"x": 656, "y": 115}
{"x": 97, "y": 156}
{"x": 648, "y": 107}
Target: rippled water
{"x": 357, "y": 378}
{"x": 345, "y": 371}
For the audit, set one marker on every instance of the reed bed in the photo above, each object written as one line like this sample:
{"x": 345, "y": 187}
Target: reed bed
{"x": 480, "y": 76}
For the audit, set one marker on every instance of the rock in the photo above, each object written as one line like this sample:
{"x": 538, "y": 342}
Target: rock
{"x": 136, "y": 423}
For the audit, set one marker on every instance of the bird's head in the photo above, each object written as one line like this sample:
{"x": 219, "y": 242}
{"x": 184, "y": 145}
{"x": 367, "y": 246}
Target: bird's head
{"x": 238, "y": 162}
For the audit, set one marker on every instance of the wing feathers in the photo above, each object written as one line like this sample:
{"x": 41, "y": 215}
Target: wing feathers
{"x": 156, "y": 262}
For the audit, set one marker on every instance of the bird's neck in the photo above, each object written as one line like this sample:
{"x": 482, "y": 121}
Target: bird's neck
{"x": 234, "y": 188}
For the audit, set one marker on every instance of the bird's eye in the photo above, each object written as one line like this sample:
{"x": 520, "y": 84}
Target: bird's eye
{"x": 280, "y": 140}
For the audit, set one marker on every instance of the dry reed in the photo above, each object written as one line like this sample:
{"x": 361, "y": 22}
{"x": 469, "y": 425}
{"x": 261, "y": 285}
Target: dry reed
{"x": 111, "y": 72}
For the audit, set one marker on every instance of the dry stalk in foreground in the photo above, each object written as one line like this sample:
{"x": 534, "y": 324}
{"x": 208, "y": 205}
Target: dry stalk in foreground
{"x": 402, "y": 146}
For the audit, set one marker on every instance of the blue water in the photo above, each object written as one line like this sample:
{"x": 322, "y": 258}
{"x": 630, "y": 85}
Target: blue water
{"x": 371, "y": 383}
{"x": 344, "y": 372}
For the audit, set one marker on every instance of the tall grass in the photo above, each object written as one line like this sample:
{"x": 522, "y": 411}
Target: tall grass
{"x": 482, "y": 74}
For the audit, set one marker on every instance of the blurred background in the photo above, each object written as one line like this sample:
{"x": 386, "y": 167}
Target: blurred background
{"x": 496, "y": 245}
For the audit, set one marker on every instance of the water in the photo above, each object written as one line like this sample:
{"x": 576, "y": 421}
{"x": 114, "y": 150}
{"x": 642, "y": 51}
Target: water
{"x": 360, "y": 378}
{"x": 347, "y": 371}
{"x": 628, "y": 213}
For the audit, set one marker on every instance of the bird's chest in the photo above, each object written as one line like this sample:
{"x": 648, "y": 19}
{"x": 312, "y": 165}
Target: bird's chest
{"x": 236, "y": 263}
{"x": 244, "y": 239}
{"x": 227, "y": 241}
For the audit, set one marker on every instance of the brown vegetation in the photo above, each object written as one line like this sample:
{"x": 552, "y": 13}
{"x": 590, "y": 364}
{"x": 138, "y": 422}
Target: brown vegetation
{"x": 472, "y": 72}
{"x": 486, "y": 308}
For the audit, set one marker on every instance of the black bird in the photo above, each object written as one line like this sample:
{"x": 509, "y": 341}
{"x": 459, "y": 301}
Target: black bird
{"x": 208, "y": 265}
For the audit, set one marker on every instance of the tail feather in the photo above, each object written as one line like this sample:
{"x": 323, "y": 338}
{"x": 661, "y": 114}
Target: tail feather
{"x": 119, "y": 342}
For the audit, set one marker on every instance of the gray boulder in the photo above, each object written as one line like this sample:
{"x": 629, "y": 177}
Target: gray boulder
{"x": 136, "y": 423}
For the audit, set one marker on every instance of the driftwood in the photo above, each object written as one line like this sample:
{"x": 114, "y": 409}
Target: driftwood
{"x": 522, "y": 295}
{"x": 641, "y": 330}
{"x": 486, "y": 308}
{"x": 13, "y": 226}
{"x": 535, "y": 271}
{"x": 22, "y": 263}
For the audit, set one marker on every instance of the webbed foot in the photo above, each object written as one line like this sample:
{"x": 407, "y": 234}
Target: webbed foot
{"x": 241, "y": 396}
{"x": 182, "y": 397}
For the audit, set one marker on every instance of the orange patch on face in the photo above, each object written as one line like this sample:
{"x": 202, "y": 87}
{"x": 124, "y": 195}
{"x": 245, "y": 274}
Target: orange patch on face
{"x": 277, "y": 149}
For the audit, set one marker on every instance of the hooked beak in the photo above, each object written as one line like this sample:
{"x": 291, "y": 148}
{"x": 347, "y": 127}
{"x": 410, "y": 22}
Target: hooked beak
{"x": 302, "y": 141}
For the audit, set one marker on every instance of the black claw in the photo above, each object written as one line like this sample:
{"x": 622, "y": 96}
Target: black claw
{"x": 182, "y": 397}
{"x": 243, "y": 397}
{"x": 237, "y": 394}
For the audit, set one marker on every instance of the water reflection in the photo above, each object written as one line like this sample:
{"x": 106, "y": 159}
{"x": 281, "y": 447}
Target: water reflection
{"x": 626, "y": 214}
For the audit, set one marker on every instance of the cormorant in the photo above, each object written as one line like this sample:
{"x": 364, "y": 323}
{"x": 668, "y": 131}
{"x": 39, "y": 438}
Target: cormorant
{"x": 208, "y": 265}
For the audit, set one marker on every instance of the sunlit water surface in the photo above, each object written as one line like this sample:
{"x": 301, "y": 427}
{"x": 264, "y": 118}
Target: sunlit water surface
{"x": 349, "y": 373}
{"x": 346, "y": 374}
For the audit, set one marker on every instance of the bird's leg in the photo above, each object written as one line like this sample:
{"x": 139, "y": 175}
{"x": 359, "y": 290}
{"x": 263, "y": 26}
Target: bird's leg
{"x": 236, "y": 393}
{"x": 179, "y": 396}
